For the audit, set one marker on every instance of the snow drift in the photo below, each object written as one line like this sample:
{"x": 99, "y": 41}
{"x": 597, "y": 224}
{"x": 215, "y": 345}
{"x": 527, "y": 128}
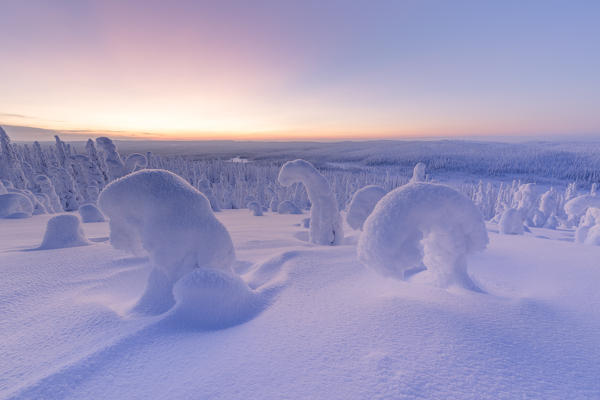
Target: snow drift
{"x": 325, "y": 221}
{"x": 362, "y": 204}
{"x": 423, "y": 223}
{"x": 63, "y": 231}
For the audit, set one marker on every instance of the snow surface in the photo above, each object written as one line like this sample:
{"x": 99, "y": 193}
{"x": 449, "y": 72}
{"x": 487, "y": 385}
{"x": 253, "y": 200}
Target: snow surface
{"x": 332, "y": 328}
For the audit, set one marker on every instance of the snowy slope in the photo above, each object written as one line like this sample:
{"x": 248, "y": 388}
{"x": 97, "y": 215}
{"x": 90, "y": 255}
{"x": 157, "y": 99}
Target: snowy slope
{"x": 333, "y": 329}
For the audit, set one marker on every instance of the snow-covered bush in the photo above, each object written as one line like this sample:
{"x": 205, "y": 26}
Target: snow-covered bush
{"x": 577, "y": 207}
{"x": 255, "y": 208}
{"x": 2, "y": 188}
{"x": 526, "y": 199}
{"x": 423, "y": 223}
{"x": 112, "y": 159}
{"x": 63, "y": 231}
{"x": 15, "y": 205}
{"x": 325, "y": 221}
{"x": 363, "y": 202}
{"x": 288, "y": 207}
{"x": 590, "y": 220}
{"x": 160, "y": 212}
{"x": 511, "y": 222}
{"x": 90, "y": 213}
{"x": 47, "y": 188}
{"x": 135, "y": 162}
{"x": 418, "y": 173}
{"x": 205, "y": 189}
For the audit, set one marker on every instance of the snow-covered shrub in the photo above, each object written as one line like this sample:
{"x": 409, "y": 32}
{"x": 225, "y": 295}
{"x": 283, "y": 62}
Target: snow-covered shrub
{"x": 15, "y": 205}
{"x": 511, "y": 222}
{"x": 135, "y": 162}
{"x": 288, "y": 207}
{"x": 418, "y": 173}
{"x": 526, "y": 199}
{"x": 363, "y": 202}
{"x": 589, "y": 221}
{"x": 325, "y": 221}
{"x": 306, "y": 222}
{"x": 423, "y": 223}
{"x": 205, "y": 189}
{"x": 63, "y": 231}
{"x": 90, "y": 213}
{"x": 577, "y": 207}
{"x": 112, "y": 159}
{"x": 552, "y": 222}
{"x": 47, "y": 188}
{"x": 274, "y": 205}
{"x": 255, "y": 208}
{"x": 549, "y": 203}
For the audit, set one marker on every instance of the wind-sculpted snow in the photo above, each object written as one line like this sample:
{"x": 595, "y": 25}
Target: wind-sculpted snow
{"x": 362, "y": 204}
{"x": 158, "y": 211}
{"x": 90, "y": 213}
{"x": 423, "y": 223}
{"x": 135, "y": 162}
{"x": 511, "y": 222}
{"x": 15, "y": 205}
{"x": 63, "y": 231}
{"x": 325, "y": 222}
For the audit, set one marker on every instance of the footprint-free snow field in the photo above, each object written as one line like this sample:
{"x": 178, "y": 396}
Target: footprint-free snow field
{"x": 323, "y": 325}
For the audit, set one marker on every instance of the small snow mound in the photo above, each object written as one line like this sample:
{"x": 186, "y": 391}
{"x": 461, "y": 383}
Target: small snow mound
{"x": 362, "y": 204}
{"x": 288, "y": 207}
{"x": 90, "y": 213}
{"x": 255, "y": 208}
{"x": 63, "y": 231}
{"x": 577, "y": 207}
{"x": 211, "y": 299}
{"x": 15, "y": 205}
{"x": 511, "y": 222}
{"x": 423, "y": 223}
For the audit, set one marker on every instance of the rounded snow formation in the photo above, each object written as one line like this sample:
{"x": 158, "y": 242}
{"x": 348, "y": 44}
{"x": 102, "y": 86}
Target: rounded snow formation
{"x": 325, "y": 221}
{"x": 288, "y": 207}
{"x": 162, "y": 213}
{"x": 63, "y": 231}
{"x": 423, "y": 223}
{"x": 15, "y": 205}
{"x": 90, "y": 213}
{"x": 362, "y": 204}
{"x": 511, "y": 222}
{"x": 418, "y": 173}
{"x": 212, "y": 299}
{"x": 255, "y": 208}
{"x": 135, "y": 162}
{"x": 587, "y": 226}
{"x": 577, "y": 207}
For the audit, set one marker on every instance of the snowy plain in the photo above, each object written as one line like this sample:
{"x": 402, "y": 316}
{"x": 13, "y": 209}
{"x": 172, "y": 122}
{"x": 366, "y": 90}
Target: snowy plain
{"x": 333, "y": 329}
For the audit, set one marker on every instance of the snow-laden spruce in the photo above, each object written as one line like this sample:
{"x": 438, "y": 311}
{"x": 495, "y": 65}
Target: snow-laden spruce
{"x": 587, "y": 231}
{"x": 15, "y": 205}
{"x": 160, "y": 212}
{"x": 577, "y": 207}
{"x": 255, "y": 208}
{"x": 423, "y": 223}
{"x": 90, "y": 213}
{"x": 325, "y": 221}
{"x": 362, "y": 204}
{"x": 418, "y": 173}
{"x": 288, "y": 207}
{"x": 63, "y": 231}
{"x": 511, "y": 222}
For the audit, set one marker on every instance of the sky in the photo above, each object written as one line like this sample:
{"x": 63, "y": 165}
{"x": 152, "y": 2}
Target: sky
{"x": 311, "y": 69}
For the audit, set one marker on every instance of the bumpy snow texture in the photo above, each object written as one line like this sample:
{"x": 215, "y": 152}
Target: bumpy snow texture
{"x": 423, "y": 223}
{"x": 63, "y": 231}
{"x": 325, "y": 220}
{"x": 362, "y": 204}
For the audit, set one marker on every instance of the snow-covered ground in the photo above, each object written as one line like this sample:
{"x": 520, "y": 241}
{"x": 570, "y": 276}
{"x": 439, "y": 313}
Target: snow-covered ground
{"x": 333, "y": 329}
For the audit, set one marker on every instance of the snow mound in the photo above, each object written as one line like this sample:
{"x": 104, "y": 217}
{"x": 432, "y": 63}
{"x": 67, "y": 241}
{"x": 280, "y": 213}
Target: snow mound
{"x": 255, "y": 208}
{"x": 423, "y": 223}
{"x": 577, "y": 207}
{"x": 362, "y": 204}
{"x": 288, "y": 207}
{"x": 63, "y": 231}
{"x": 511, "y": 222}
{"x": 169, "y": 218}
{"x": 15, "y": 205}
{"x": 212, "y": 299}
{"x": 325, "y": 221}
{"x": 418, "y": 173}
{"x": 587, "y": 227}
{"x": 90, "y": 213}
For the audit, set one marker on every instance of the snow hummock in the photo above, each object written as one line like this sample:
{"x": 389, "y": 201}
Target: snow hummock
{"x": 423, "y": 223}
{"x": 15, "y": 205}
{"x": 288, "y": 207}
{"x": 511, "y": 222}
{"x": 325, "y": 221}
{"x": 162, "y": 213}
{"x": 363, "y": 202}
{"x": 63, "y": 231}
{"x": 90, "y": 213}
